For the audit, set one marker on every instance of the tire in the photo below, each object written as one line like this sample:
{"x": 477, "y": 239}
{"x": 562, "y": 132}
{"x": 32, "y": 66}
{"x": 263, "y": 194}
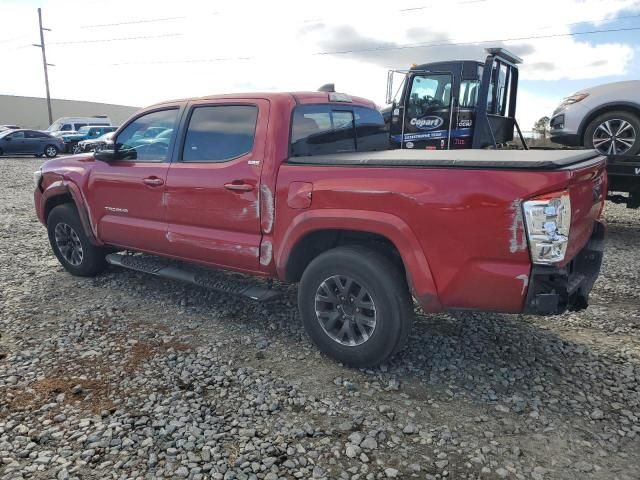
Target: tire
{"x": 64, "y": 228}
{"x": 386, "y": 314}
{"x": 76, "y": 149}
{"x": 623, "y": 126}
{"x": 51, "y": 151}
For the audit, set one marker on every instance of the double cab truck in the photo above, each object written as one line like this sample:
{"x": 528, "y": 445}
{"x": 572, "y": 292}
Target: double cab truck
{"x": 301, "y": 187}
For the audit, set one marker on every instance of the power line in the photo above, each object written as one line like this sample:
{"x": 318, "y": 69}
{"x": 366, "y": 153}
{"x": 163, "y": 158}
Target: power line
{"x": 119, "y": 39}
{"x": 449, "y": 44}
{"x": 133, "y": 22}
{"x": 382, "y": 48}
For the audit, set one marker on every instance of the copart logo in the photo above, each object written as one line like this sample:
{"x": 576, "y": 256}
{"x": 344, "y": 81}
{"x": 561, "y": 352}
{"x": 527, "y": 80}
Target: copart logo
{"x": 427, "y": 123}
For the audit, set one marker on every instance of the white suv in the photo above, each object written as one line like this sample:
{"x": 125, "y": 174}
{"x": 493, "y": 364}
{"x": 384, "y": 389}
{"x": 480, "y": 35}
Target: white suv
{"x": 606, "y": 117}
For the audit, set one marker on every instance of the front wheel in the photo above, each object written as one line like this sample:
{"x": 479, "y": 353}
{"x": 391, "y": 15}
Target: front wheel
{"x": 51, "y": 151}
{"x": 355, "y": 305}
{"x": 614, "y": 133}
{"x": 71, "y": 245}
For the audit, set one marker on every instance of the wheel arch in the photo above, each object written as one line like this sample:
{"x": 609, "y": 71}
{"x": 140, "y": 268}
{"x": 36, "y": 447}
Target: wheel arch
{"x": 629, "y": 107}
{"x": 61, "y": 192}
{"x": 314, "y": 232}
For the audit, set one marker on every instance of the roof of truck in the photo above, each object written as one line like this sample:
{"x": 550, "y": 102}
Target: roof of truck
{"x": 298, "y": 97}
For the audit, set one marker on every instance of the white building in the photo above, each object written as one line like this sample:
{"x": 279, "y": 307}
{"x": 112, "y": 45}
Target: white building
{"x": 31, "y": 112}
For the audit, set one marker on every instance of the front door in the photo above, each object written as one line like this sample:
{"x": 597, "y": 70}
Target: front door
{"x": 212, "y": 192}
{"x": 14, "y": 143}
{"x": 427, "y": 112}
{"x": 126, "y": 195}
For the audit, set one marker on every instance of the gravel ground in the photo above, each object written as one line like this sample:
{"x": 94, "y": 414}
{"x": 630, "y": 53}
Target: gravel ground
{"x": 130, "y": 377}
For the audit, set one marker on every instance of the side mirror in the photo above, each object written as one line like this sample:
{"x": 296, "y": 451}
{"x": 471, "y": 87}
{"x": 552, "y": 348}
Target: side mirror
{"x": 106, "y": 156}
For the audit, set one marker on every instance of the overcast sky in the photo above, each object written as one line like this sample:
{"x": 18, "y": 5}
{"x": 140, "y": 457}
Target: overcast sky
{"x": 143, "y": 51}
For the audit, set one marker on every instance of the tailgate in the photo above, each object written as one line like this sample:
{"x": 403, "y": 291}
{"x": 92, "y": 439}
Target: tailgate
{"x": 588, "y": 190}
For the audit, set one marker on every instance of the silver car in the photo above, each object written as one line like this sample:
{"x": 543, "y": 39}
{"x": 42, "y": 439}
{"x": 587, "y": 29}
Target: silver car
{"x": 606, "y": 117}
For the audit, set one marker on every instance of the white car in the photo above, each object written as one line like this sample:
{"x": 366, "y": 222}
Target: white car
{"x": 606, "y": 117}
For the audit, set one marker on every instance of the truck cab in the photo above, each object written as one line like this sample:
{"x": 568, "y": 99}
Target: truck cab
{"x": 454, "y": 104}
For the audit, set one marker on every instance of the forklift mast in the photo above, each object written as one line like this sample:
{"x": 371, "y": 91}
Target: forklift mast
{"x": 455, "y": 104}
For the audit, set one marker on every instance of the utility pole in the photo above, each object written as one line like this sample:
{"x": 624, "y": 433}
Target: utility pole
{"x": 44, "y": 62}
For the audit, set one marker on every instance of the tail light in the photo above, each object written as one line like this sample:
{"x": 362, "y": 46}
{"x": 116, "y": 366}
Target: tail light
{"x": 548, "y": 220}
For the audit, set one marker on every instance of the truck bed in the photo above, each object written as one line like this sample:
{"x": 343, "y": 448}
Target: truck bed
{"x": 476, "y": 159}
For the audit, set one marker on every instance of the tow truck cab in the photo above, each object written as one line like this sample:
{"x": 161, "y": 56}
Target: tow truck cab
{"x": 454, "y": 104}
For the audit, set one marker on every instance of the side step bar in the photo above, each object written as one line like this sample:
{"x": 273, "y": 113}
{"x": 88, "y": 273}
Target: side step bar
{"x": 214, "y": 280}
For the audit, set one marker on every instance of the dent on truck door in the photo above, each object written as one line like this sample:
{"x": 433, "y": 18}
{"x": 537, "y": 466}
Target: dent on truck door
{"x": 212, "y": 193}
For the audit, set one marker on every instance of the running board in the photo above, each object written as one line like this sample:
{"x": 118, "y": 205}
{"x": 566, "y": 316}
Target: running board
{"x": 219, "y": 281}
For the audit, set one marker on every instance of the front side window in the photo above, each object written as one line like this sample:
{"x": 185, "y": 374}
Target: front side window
{"x": 32, "y": 134}
{"x": 319, "y": 130}
{"x": 67, "y": 127}
{"x": 219, "y": 133}
{"x": 429, "y": 92}
{"x": 137, "y": 141}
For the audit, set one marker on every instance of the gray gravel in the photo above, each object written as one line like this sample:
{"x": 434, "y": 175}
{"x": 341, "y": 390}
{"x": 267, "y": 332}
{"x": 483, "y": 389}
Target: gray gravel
{"x": 129, "y": 377}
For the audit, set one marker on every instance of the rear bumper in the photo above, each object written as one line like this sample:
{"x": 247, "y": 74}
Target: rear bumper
{"x": 554, "y": 290}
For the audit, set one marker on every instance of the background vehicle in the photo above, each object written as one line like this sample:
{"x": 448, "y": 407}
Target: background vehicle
{"x": 8, "y": 127}
{"x": 95, "y": 144}
{"x": 29, "y": 142}
{"x": 71, "y": 139}
{"x": 456, "y": 104}
{"x": 301, "y": 187}
{"x": 607, "y": 118}
{"x": 73, "y": 124}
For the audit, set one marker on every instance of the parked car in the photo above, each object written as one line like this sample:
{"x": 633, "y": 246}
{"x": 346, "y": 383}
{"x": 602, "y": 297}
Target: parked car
{"x": 73, "y": 124}
{"x": 300, "y": 187}
{"x": 8, "y": 127}
{"x": 29, "y": 142}
{"x": 89, "y": 132}
{"x": 606, "y": 117}
{"x": 95, "y": 144}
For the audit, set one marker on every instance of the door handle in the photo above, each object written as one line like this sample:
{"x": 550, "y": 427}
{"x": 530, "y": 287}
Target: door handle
{"x": 153, "y": 181}
{"x": 238, "y": 187}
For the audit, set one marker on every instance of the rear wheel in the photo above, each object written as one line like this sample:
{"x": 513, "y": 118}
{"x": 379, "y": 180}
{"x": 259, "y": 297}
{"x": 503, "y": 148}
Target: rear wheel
{"x": 355, "y": 305}
{"x": 70, "y": 244}
{"x": 76, "y": 149}
{"x": 614, "y": 133}
{"x": 51, "y": 151}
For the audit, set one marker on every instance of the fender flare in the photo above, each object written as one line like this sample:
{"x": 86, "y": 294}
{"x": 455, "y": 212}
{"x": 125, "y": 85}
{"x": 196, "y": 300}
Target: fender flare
{"x": 63, "y": 187}
{"x": 391, "y": 227}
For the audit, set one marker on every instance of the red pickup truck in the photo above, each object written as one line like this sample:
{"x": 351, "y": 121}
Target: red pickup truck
{"x": 301, "y": 187}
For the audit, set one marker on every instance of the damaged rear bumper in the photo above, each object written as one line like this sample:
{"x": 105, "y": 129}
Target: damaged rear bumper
{"x": 554, "y": 290}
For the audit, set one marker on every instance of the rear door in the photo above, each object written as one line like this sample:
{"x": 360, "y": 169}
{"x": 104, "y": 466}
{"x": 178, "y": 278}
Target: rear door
{"x": 212, "y": 193}
{"x": 34, "y": 142}
{"x": 126, "y": 196}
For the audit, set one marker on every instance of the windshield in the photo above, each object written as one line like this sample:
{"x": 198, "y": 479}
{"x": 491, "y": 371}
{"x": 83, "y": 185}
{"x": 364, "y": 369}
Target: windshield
{"x": 55, "y": 126}
{"x": 4, "y": 133}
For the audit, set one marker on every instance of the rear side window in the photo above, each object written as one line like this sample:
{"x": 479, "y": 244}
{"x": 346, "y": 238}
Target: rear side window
{"x": 220, "y": 133}
{"x": 323, "y": 129}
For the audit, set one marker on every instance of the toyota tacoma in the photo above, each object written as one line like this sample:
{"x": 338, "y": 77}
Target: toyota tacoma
{"x": 301, "y": 187}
